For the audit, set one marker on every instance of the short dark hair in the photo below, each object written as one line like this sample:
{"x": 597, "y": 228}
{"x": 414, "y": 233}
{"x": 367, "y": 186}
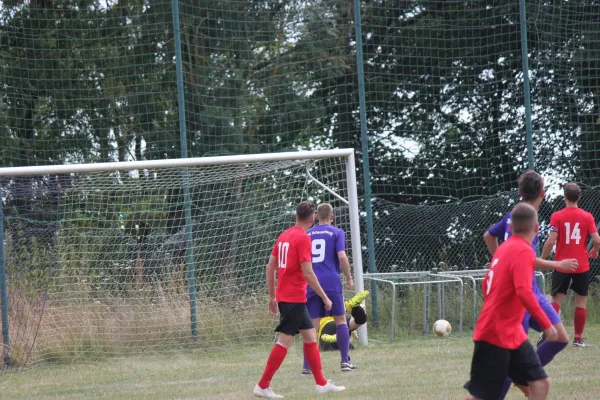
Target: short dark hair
{"x": 359, "y": 314}
{"x": 523, "y": 219}
{"x": 324, "y": 211}
{"x": 305, "y": 210}
{"x": 531, "y": 185}
{"x": 572, "y": 192}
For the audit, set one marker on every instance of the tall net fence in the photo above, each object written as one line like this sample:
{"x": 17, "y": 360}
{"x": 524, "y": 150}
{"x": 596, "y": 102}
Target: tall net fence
{"x": 444, "y": 99}
{"x": 98, "y": 264}
{"x": 445, "y": 106}
{"x": 565, "y": 71}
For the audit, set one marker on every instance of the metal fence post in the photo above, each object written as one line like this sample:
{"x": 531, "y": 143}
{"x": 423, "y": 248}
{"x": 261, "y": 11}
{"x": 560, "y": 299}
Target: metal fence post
{"x": 189, "y": 251}
{"x": 526, "y": 85}
{"x": 365, "y": 157}
{"x": 4, "y": 293}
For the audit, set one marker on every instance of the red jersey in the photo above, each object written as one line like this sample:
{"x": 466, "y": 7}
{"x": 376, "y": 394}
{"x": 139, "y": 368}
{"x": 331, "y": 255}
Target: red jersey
{"x": 573, "y": 226}
{"x": 507, "y": 292}
{"x": 293, "y": 247}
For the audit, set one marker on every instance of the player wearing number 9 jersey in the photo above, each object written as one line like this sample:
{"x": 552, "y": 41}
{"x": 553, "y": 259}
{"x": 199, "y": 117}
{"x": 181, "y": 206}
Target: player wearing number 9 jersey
{"x": 501, "y": 346}
{"x": 569, "y": 230}
{"x": 328, "y": 255}
{"x": 291, "y": 256}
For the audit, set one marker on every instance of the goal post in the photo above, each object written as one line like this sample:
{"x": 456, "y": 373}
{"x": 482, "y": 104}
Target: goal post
{"x": 109, "y": 241}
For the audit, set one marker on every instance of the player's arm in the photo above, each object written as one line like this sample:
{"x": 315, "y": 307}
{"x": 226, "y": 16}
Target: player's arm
{"x": 340, "y": 248}
{"x": 271, "y": 268}
{"x": 569, "y": 265}
{"x": 596, "y": 240}
{"x": 490, "y": 237}
{"x": 521, "y": 275}
{"x": 593, "y": 231}
{"x": 345, "y": 266}
{"x": 549, "y": 244}
{"x": 491, "y": 242}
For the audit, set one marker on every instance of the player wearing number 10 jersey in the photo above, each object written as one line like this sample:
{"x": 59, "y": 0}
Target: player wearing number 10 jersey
{"x": 569, "y": 230}
{"x": 501, "y": 345}
{"x": 291, "y": 256}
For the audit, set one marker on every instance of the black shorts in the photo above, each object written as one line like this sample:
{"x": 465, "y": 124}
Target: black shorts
{"x": 293, "y": 317}
{"x": 492, "y": 364}
{"x": 579, "y": 283}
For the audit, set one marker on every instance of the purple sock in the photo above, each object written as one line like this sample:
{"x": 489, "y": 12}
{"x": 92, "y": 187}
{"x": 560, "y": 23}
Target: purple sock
{"x": 505, "y": 389}
{"x": 548, "y": 350}
{"x": 343, "y": 340}
{"x": 305, "y": 362}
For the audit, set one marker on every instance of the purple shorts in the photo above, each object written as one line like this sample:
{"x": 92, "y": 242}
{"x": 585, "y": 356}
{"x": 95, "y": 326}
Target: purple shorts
{"x": 316, "y": 308}
{"x": 529, "y": 322}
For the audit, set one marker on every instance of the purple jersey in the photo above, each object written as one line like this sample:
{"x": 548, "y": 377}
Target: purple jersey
{"x": 502, "y": 231}
{"x": 327, "y": 240}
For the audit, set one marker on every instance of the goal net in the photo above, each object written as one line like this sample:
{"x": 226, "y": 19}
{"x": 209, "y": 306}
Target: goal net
{"x": 113, "y": 259}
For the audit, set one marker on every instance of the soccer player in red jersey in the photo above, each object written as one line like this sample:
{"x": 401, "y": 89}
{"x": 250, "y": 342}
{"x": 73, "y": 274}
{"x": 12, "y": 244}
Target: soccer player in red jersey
{"x": 531, "y": 190}
{"x": 501, "y": 346}
{"x": 569, "y": 229}
{"x": 292, "y": 256}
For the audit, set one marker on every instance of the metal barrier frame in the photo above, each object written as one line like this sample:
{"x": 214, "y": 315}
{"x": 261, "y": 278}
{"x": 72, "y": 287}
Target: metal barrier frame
{"x": 475, "y": 275}
{"x": 388, "y": 278}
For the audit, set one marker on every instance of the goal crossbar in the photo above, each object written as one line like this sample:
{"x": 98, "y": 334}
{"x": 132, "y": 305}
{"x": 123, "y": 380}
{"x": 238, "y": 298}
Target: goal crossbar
{"x": 175, "y": 163}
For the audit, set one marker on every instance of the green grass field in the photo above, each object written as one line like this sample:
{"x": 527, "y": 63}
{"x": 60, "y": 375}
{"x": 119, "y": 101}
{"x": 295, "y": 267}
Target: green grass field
{"x": 427, "y": 368}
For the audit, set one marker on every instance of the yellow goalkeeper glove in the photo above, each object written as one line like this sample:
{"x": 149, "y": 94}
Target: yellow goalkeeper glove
{"x": 329, "y": 338}
{"x": 356, "y": 300}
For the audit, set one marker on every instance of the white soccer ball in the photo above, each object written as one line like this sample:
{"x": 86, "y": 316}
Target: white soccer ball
{"x": 442, "y": 328}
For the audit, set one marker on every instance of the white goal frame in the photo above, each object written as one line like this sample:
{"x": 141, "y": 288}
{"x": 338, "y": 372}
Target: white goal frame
{"x": 347, "y": 154}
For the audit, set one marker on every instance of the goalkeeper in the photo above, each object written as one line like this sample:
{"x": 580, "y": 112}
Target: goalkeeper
{"x": 326, "y": 332}
{"x": 326, "y": 335}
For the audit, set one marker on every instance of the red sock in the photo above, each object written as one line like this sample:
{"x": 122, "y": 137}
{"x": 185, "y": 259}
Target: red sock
{"x": 580, "y": 316}
{"x": 311, "y": 352}
{"x": 273, "y": 363}
{"x": 556, "y": 306}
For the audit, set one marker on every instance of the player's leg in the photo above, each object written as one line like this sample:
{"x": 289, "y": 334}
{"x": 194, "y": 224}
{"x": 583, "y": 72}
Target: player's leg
{"x": 580, "y": 286}
{"x": 289, "y": 324}
{"x": 508, "y": 381}
{"x": 560, "y": 287}
{"x": 313, "y": 356}
{"x": 316, "y": 310}
{"x": 547, "y": 350}
{"x": 356, "y": 300}
{"x": 525, "y": 369}
{"x": 338, "y": 311}
{"x": 489, "y": 368}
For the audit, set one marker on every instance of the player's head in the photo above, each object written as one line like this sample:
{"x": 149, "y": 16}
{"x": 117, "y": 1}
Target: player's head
{"x": 359, "y": 314}
{"x": 524, "y": 221}
{"x": 572, "y": 192}
{"x": 325, "y": 213}
{"x": 531, "y": 188}
{"x": 305, "y": 213}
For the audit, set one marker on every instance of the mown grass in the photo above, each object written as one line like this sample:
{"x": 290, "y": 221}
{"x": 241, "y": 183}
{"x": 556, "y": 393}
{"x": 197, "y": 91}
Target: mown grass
{"x": 425, "y": 368}
{"x": 149, "y": 324}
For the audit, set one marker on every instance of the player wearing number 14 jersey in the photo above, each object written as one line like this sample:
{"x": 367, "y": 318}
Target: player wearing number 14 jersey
{"x": 291, "y": 256}
{"x": 569, "y": 230}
